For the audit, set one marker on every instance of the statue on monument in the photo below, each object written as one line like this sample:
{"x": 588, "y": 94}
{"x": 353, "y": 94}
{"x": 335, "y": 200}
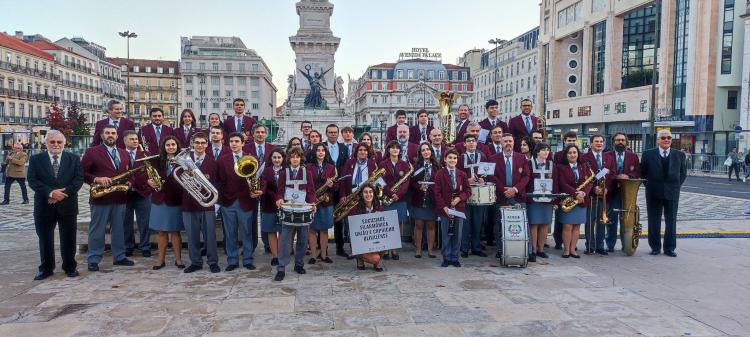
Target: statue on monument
{"x": 290, "y": 90}
{"x": 314, "y": 100}
{"x": 338, "y": 88}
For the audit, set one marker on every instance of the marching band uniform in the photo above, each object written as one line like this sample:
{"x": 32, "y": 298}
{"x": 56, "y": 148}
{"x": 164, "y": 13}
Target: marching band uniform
{"x": 439, "y": 153}
{"x": 269, "y": 184}
{"x": 539, "y": 213}
{"x": 566, "y": 179}
{"x": 294, "y": 178}
{"x": 105, "y": 161}
{"x": 461, "y": 127}
{"x": 358, "y": 172}
{"x": 488, "y": 125}
{"x": 265, "y": 151}
{"x": 391, "y": 133}
{"x": 423, "y": 203}
{"x": 516, "y": 176}
{"x": 394, "y": 172}
{"x": 450, "y": 183}
{"x": 216, "y": 151}
{"x": 521, "y": 126}
{"x": 139, "y": 202}
{"x": 626, "y": 162}
{"x": 237, "y": 124}
{"x": 596, "y": 162}
{"x": 184, "y": 134}
{"x": 409, "y": 151}
{"x": 237, "y": 209}
{"x": 152, "y": 135}
{"x": 483, "y": 148}
{"x": 476, "y": 215}
{"x": 323, "y": 219}
{"x": 361, "y": 259}
{"x": 122, "y": 124}
{"x": 419, "y": 134}
{"x": 166, "y": 206}
{"x": 201, "y": 220}
{"x": 558, "y": 158}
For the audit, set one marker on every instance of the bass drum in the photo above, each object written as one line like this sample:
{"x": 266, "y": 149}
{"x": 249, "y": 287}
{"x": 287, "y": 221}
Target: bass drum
{"x": 515, "y": 237}
{"x": 482, "y": 194}
{"x": 296, "y": 214}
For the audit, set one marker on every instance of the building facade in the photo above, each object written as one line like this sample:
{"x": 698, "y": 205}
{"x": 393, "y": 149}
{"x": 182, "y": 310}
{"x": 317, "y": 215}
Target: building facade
{"x": 409, "y": 85}
{"x": 27, "y": 88}
{"x": 507, "y": 74}
{"x": 152, "y": 84}
{"x": 110, "y": 75}
{"x": 215, "y": 70}
{"x": 598, "y": 75}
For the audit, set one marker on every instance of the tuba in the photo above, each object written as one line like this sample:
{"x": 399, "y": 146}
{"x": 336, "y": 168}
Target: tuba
{"x": 190, "y": 177}
{"x": 570, "y": 202}
{"x": 246, "y": 167}
{"x": 630, "y": 214}
{"x": 445, "y": 100}
{"x": 351, "y": 200}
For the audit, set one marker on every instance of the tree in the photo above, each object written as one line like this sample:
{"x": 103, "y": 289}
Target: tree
{"x": 77, "y": 121}
{"x": 56, "y": 120}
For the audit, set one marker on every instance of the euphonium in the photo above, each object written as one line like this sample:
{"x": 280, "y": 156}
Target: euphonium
{"x": 246, "y": 167}
{"x": 351, "y": 200}
{"x": 119, "y": 184}
{"x": 570, "y": 202}
{"x": 388, "y": 200}
{"x": 190, "y": 177}
{"x": 446, "y": 99}
{"x": 630, "y": 214}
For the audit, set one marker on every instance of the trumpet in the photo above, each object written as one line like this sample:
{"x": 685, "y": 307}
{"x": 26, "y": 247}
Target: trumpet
{"x": 190, "y": 177}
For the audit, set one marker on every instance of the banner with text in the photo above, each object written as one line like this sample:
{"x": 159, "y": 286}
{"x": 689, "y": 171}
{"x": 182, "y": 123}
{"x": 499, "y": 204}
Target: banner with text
{"x": 374, "y": 232}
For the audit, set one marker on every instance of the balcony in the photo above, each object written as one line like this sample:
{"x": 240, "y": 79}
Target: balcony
{"x": 81, "y": 105}
{"x": 153, "y": 88}
{"x": 23, "y": 120}
{"x": 505, "y": 93}
{"x": 26, "y": 95}
{"x": 79, "y": 67}
{"x": 28, "y": 71}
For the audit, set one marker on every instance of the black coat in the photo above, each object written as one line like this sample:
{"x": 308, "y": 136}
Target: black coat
{"x": 656, "y": 184}
{"x": 42, "y": 181}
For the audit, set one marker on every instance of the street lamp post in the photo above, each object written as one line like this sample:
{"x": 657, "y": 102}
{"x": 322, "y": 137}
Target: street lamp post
{"x": 127, "y": 35}
{"x": 651, "y": 141}
{"x": 202, "y": 79}
{"x": 497, "y": 43}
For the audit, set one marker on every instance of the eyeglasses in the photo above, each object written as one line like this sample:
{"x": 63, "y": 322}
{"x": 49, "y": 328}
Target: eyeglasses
{"x": 666, "y": 138}
{"x": 55, "y": 141}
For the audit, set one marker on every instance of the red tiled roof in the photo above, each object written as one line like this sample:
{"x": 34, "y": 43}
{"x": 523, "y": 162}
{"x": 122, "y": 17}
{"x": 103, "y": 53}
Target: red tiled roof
{"x": 44, "y": 45}
{"x": 384, "y": 65}
{"x": 16, "y": 44}
{"x": 143, "y": 63}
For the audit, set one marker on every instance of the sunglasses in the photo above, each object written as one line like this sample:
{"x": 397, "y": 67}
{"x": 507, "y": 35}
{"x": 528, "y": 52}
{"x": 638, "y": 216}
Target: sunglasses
{"x": 666, "y": 138}
{"x": 55, "y": 141}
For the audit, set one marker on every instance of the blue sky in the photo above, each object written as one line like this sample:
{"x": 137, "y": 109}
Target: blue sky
{"x": 371, "y": 32}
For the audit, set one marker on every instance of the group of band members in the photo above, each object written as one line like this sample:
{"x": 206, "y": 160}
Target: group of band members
{"x": 440, "y": 185}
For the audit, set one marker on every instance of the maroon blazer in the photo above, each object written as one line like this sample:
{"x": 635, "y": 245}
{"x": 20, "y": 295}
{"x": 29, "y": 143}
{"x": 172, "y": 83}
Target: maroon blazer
{"x": 140, "y": 179}
{"x": 345, "y": 185}
{"x": 351, "y": 151}
{"x": 631, "y": 164}
{"x": 417, "y": 195}
{"x": 390, "y": 177}
{"x": 148, "y": 133}
{"x": 520, "y": 177}
{"x": 96, "y": 162}
{"x": 607, "y": 162}
{"x": 171, "y": 191}
{"x": 517, "y": 127}
{"x": 487, "y": 125}
{"x": 491, "y": 151}
{"x": 412, "y": 152}
{"x": 208, "y": 168}
{"x": 443, "y": 191}
{"x": 270, "y": 187}
{"x": 319, "y": 180}
{"x": 252, "y": 148}
{"x": 124, "y": 125}
{"x": 559, "y": 158}
{"x": 309, "y": 189}
{"x": 415, "y": 134}
{"x": 533, "y": 176}
{"x": 183, "y": 138}
{"x": 232, "y": 186}
{"x": 564, "y": 181}
{"x": 443, "y": 149}
{"x": 391, "y": 133}
{"x": 224, "y": 150}
{"x": 247, "y": 126}
{"x": 461, "y": 132}
{"x": 461, "y": 148}
{"x": 481, "y": 158}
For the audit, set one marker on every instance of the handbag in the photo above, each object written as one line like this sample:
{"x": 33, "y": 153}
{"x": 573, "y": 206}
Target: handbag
{"x": 728, "y": 162}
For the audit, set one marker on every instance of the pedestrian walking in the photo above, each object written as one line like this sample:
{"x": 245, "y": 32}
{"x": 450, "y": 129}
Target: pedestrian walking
{"x": 16, "y": 171}
{"x": 733, "y": 164}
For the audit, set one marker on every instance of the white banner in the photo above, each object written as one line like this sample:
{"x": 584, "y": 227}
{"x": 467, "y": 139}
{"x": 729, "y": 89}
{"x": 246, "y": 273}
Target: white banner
{"x": 374, "y": 232}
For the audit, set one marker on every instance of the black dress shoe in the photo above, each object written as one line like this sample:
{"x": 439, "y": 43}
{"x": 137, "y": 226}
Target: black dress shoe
{"x": 300, "y": 270}
{"x": 532, "y": 257}
{"x": 418, "y": 256}
{"x": 279, "y": 276}
{"x": 588, "y": 251}
{"x": 162, "y": 265}
{"x": 327, "y": 260}
{"x": 542, "y": 255}
{"x": 386, "y": 256}
{"x": 72, "y": 273}
{"x": 42, "y": 275}
{"x": 214, "y": 268}
{"x": 456, "y": 264}
{"x": 445, "y": 264}
{"x": 179, "y": 265}
{"x": 25, "y": 202}
{"x": 565, "y": 256}
{"x": 479, "y": 253}
{"x": 432, "y": 256}
{"x": 611, "y": 250}
{"x": 464, "y": 254}
{"x": 558, "y": 246}
{"x": 395, "y": 256}
{"x": 146, "y": 253}
{"x": 575, "y": 256}
{"x": 655, "y": 252}
{"x": 4, "y": 202}
{"x": 191, "y": 269}
{"x": 602, "y": 252}
{"x": 275, "y": 261}
{"x": 312, "y": 260}
{"x": 93, "y": 267}
{"x": 670, "y": 254}
{"x": 498, "y": 255}
{"x": 124, "y": 262}
{"x": 249, "y": 266}
{"x": 129, "y": 253}
{"x": 231, "y": 267}
{"x": 341, "y": 253}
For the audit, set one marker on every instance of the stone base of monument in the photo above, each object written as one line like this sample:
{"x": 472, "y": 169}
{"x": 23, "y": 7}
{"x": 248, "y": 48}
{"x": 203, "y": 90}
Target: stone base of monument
{"x": 292, "y": 120}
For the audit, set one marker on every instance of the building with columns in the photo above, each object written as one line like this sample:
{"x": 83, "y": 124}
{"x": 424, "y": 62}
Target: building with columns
{"x": 597, "y": 69}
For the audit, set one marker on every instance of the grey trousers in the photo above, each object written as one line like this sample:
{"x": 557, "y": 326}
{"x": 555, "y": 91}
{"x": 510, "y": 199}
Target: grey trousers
{"x": 197, "y": 223}
{"x": 101, "y": 215}
{"x": 451, "y": 243}
{"x": 286, "y": 242}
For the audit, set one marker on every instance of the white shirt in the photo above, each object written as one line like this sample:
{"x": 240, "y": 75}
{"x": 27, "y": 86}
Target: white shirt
{"x": 661, "y": 152}
{"x": 200, "y": 159}
{"x": 52, "y": 160}
{"x": 112, "y": 121}
{"x": 109, "y": 154}
{"x": 234, "y": 154}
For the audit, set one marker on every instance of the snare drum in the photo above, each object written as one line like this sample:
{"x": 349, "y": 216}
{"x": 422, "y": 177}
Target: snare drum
{"x": 515, "y": 237}
{"x": 296, "y": 214}
{"x": 482, "y": 194}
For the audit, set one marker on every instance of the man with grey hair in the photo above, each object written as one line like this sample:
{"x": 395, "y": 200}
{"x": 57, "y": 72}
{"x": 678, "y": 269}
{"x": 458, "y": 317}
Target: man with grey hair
{"x": 408, "y": 150}
{"x": 664, "y": 170}
{"x": 16, "y": 171}
{"x": 122, "y": 124}
{"x": 55, "y": 176}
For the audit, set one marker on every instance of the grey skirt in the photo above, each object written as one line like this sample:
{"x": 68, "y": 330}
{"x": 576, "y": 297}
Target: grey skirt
{"x": 269, "y": 223}
{"x": 400, "y": 207}
{"x": 164, "y": 218}
{"x": 323, "y": 219}
{"x": 539, "y": 213}
{"x": 420, "y": 213}
{"x": 576, "y": 216}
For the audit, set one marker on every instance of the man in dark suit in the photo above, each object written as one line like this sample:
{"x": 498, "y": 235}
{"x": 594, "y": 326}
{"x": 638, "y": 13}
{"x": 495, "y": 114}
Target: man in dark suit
{"x": 596, "y": 160}
{"x": 522, "y": 125}
{"x": 347, "y": 135}
{"x": 339, "y": 152}
{"x": 627, "y": 166}
{"x": 114, "y": 109}
{"x": 491, "y": 121}
{"x": 55, "y": 176}
{"x": 510, "y": 178}
{"x": 152, "y": 133}
{"x": 569, "y": 138}
{"x": 239, "y": 122}
{"x": 665, "y": 170}
{"x": 462, "y": 123}
{"x": 421, "y": 132}
{"x": 391, "y": 132}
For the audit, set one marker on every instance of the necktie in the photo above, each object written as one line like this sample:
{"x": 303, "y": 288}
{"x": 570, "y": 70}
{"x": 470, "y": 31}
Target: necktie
{"x": 575, "y": 170}
{"x": 260, "y": 152}
{"x": 664, "y": 154}
{"x": 458, "y": 127}
{"x": 158, "y": 134}
{"x": 358, "y": 178}
{"x": 187, "y": 132}
{"x": 403, "y": 151}
{"x": 437, "y": 153}
{"x": 198, "y": 162}
{"x": 620, "y": 163}
{"x": 276, "y": 175}
{"x": 497, "y": 148}
{"x": 493, "y": 123}
{"x": 239, "y": 124}
{"x": 116, "y": 124}
{"x": 508, "y": 172}
{"x": 294, "y": 174}
{"x": 320, "y": 171}
{"x": 132, "y": 158}
{"x": 423, "y": 134}
{"x": 236, "y": 158}
{"x": 349, "y": 149}
{"x": 115, "y": 159}
{"x": 170, "y": 168}
{"x": 599, "y": 161}
{"x": 216, "y": 152}
{"x": 473, "y": 158}
{"x": 453, "y": 179}
{"x": 528, "y": 124}
{"x": 55, "y": 165}
{"x": 395, "y": 170}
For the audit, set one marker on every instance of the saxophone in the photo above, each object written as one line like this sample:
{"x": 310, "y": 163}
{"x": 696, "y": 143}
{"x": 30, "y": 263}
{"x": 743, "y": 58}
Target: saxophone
{"x": 150, "y": 170}
{"x": 351, "y": 200}
{"x": 119, "y": 184}
{"x": 570, "y": 202}
{"x": 321, "y": 194}
{"x": 388, "y": 200}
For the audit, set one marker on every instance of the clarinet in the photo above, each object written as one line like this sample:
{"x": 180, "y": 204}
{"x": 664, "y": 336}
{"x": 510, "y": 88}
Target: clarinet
{"x": 425, "y": 197}
{"x": 452, "y": 221}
